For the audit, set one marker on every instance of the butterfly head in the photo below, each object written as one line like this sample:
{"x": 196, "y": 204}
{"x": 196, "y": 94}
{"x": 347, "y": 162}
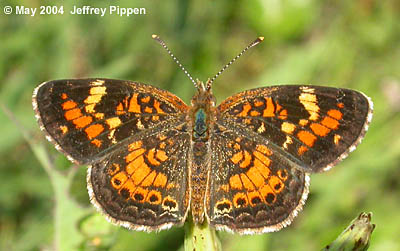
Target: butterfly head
{"x": 204, "y": 96}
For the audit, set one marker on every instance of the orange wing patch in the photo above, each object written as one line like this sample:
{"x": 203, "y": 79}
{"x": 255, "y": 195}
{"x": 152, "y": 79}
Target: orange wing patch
{"x": 134, "y": 107}
{"x": 140, "y": 194}
{"x": 83, "y": 121}
{"x": 330, "y": 123}
{"x": 96, "y": 142}
{"x": 257, "y": 183}
{"x": 302, "y": 150}
{"x": 94, "y": 130}
{"x": 268, "y": 194}
{"x": 262, "y": 167}
{"x": 160, "y": 181}
{"x": 67, "y": 105}
{"x": 235, "y": 182}
{"x": 160, "y": 154}
{"x": 254, "y": 198}
{"x": 245, "y": 111}
{"x": 276, "y": 184}
{"x": 139, "y": 176}
{"x": 119, "y": 179}
{"x": 132, "y": 166}
{"x": 307, "y": 138}
{"x": 269, "y": 110}
{"x": 336, "y": 114}
{"x": 135, "y": 145}
{"x": 120, "y": 109}
{"x": 319, "y": 129}
{"x": 261, "y": 161}
{"x": 73, "y": 114}
{"x": 151, "y": 159}
{"x": 263, "y": 149}
{"x": 283, "y": 114}
{"x": 145, "y": 99}
{"x": 148, "y": 109}
{"x": 154, "y": 197}
{"x": 237, "y": 157}
{"x": 247, "y": 183}
{"x": 256, "y": 177}
{"x": 258, "y": 103}
{"x": 247, "y": 160}
{"x": 240, "y": 200}
{"x": 148, "y": 181}
{"x": 158, "y": 108}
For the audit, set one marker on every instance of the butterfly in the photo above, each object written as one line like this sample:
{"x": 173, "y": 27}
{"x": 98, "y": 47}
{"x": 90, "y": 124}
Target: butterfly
{"x": 242, "y": 166}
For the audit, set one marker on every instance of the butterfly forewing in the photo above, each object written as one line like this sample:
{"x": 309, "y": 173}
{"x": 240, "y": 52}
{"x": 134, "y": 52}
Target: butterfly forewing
{"x": 88, "y": 118}
{"x": 312, "y": 126}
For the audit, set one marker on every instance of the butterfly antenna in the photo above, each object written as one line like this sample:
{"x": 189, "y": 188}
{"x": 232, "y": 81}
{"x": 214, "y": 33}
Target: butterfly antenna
{"x": 252, "y": 44}
{"x": 163, "y": 44}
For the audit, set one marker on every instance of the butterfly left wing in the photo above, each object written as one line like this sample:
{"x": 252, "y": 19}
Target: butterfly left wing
{"x": 312, "y": 126}
{"x": 251, "y": 189}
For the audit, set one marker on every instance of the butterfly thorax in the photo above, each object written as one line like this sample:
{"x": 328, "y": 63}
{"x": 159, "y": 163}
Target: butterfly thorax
{"x": 202, "y": 113}
{"x": 202, "y": 116}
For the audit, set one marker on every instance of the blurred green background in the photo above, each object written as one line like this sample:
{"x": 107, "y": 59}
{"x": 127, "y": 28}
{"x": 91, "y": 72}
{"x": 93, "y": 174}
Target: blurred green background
{"x": 353, "y": 44}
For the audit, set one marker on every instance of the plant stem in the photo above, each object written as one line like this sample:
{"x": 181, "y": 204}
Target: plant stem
{"x": 200, "y": 237}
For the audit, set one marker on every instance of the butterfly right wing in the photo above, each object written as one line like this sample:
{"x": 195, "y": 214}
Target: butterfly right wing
{"x": 265, "y": 143}
{"x": 144, "y": 185}
{"x": 136, "y": 140}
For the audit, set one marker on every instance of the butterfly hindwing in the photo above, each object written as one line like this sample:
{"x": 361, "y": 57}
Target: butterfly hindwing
{"x": 144, "y": 184}
{"x": 252, "y": 190}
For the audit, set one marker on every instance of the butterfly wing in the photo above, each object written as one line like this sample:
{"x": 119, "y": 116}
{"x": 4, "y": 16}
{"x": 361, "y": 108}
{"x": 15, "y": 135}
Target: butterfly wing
{"x": 266, "y": 141}
{"x": 144, "y": 185}
{"x": 252, "y": 190}
{"x": 312, "y": 126}
{"x": 88, "y": 118}
{"x": 136, "y": 140}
